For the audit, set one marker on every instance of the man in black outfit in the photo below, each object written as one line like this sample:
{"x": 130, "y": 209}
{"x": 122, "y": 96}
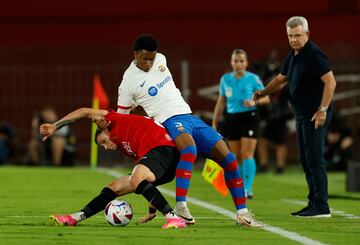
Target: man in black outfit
{"x": 312, "y": 84}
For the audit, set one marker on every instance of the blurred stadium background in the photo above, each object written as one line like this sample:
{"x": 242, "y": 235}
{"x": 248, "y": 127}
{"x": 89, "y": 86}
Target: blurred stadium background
{"x": 50, "y": 51}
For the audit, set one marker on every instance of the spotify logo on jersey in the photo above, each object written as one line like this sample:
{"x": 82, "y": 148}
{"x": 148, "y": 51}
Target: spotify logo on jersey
{"x": 152, "y": 91}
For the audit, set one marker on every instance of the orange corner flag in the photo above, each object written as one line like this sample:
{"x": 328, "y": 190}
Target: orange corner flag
{"x": 214, "y": 174}
{"x": 100, "y": 94}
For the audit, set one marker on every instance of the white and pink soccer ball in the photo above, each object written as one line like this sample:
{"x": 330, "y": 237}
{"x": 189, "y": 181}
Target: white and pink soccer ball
{"x": 118, "y": 212}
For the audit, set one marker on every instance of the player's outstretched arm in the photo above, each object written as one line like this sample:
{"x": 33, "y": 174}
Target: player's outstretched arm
{"x": 48, "y": 129}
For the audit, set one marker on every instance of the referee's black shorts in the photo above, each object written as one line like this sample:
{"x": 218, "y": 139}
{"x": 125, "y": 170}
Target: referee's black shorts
{"x": 238, "y": 125}
{"x": 162, "y": 161}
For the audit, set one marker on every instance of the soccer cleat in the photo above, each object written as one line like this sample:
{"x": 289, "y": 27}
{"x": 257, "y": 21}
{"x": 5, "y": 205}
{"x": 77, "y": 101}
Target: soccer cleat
{"x": 62, "y": 220}
{"x": 184, "y": 213}
{"x": 300, "y": 211}
{"x": 248, "y": 219}
{"x": 314, "y": 213}
{"x": 249, "y": 195}
{"x": 174, "y": 222}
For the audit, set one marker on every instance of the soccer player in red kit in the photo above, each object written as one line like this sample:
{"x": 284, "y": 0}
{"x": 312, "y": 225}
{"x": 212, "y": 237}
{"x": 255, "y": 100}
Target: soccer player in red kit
{"x": 147, "y": 142}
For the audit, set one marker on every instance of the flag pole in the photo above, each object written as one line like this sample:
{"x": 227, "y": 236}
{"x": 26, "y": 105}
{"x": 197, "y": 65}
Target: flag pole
{"x": 93, "y": 145}
{"x": 100, "y": 101}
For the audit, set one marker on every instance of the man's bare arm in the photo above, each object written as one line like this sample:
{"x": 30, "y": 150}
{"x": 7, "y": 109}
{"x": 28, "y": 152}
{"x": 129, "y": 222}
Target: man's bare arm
{"x": 49, "y": 129}
{"x": 93, "y": 114}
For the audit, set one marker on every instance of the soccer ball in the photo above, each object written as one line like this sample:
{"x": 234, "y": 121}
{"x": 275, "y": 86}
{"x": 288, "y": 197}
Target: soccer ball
{"x": 118, "y": 213}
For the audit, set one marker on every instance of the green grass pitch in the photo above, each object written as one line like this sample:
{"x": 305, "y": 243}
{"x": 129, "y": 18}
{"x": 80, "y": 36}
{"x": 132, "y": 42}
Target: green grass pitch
{"x": 29, "y": 195}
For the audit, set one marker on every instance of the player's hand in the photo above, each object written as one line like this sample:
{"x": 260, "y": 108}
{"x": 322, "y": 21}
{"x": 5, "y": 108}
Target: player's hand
{"x": 257, "y": 95}
{"x": 249, "y": 103}
{"x": 148, "y": 217}
{"x": 47, "y": 130}
{"x": 319, "y": 117}
{"x": 101, "y": 123}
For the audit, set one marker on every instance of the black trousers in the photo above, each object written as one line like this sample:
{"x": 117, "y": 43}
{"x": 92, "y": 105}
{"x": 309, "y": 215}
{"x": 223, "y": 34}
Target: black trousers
{"x": 311, "y": 143}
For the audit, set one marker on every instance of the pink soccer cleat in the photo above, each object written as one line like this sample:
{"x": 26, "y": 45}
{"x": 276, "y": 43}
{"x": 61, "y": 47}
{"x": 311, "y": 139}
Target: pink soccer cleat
{"x": 62, "y": 220}
{"x": 174, "y": 222}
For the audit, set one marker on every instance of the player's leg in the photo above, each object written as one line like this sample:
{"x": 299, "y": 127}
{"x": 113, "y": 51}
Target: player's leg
{"x": 188, "y": 153}
{"x": 169, "y": 157}
{"x": 221, "y": 154}
{"x": 153, "y": 170}
{"x": 248, "y": 146}
{"x": 180, "y": 128}
{"x": 141, "y": 180}
{"x": 226, "y": 159}
{"x": 118, "y": 187}
{"x": 212, "y": 145}
{"x": 235, "y": 147}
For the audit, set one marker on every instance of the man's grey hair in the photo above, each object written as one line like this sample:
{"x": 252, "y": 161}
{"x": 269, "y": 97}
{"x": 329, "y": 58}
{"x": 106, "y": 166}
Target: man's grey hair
{"x": 297, "y": 21}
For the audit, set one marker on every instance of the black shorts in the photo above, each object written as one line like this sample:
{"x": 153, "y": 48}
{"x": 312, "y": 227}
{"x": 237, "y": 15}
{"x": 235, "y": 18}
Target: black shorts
{"x": 162, "y": 161}
{"x": 238, "y": 125}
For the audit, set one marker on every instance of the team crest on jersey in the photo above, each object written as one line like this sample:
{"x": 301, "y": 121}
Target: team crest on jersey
{"x": 162, "y": 68}
{"x": 179, "y": 126}
{"x": 127, "y": 147}
{"x": 228, "y": 92}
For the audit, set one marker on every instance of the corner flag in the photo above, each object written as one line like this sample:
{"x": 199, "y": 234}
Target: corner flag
{"x": 214, "y": 174}
{"x": 99, "y": 101}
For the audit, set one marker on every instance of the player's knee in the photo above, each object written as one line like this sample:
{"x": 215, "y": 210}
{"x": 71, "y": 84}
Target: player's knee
{"x": 135, "y": 180}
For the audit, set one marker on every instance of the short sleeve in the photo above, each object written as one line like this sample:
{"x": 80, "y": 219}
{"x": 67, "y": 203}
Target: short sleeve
{"x": 258, "y": 83}
{"x": 162, "y": 58}
{"x": 125, "y": 98}
{"x": 222, "y": 86}
{"x": 285, "y": 66}
{"x": 320, "y": 64}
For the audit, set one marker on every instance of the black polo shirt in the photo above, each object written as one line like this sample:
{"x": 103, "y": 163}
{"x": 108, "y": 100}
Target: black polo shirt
{"x": 303, "y": 72}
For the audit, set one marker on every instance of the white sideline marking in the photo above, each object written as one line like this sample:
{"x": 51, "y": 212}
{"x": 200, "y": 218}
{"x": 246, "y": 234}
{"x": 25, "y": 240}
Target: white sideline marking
{"x": 97, "y": 217}
{"x": 284, "y": 233}
{"x": 333, "y": 211}
{"x": 24, "y": 216}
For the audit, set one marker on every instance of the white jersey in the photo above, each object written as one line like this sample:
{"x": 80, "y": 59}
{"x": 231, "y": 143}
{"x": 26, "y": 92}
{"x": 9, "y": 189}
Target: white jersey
{"x": 154, "y": 90}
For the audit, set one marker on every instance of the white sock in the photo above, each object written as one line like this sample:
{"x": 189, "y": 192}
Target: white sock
{"x": 181, "y": 204}
{"x": 242, "y": 211}
{"x": 79, "y": 216}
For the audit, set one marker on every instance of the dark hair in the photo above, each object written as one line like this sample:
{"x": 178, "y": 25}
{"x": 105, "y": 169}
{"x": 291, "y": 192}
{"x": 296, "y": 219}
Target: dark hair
{"x": 146, "y": 42}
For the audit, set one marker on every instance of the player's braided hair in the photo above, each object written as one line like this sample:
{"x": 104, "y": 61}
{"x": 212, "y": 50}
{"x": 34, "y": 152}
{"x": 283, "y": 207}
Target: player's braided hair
{"x": 146, "y": 42}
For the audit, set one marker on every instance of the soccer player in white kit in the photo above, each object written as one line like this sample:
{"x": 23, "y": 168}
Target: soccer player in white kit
{"x": 148, "y": 83}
